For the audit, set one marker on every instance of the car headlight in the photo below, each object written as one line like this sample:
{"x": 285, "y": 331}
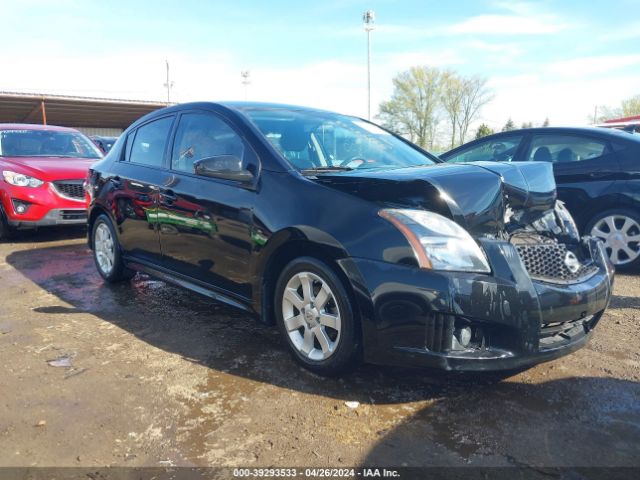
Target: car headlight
{"x": 21, "y": 180}
{"x": 567, "y": 220}
{"x": 437, "y": 242}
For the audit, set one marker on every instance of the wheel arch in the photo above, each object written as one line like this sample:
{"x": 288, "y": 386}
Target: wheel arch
{"x": 95, "y": 212}
{"x": 287, "y": 245}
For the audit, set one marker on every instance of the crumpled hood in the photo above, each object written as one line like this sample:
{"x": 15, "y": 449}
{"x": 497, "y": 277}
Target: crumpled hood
{"x": 475, "y": 195}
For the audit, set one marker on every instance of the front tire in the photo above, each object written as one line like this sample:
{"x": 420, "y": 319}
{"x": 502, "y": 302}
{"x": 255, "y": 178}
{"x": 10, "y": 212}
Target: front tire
{"x": 106, "y": 252}
{"x": 619, "y": 229}
{"x": 316, "y": 318}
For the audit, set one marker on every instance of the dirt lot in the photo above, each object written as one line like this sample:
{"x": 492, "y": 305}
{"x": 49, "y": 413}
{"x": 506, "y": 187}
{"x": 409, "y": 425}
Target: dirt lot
{"x": 160, "y": 376}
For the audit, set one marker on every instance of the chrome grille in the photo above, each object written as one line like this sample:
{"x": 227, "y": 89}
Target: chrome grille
{"x": 70, "y": 188}
{"x": 546, "y": 261}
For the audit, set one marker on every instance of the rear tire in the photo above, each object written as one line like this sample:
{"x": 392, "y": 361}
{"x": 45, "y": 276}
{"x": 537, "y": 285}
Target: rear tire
{"x": 316, "y": 319}
{"x": 619, "y": 229}
{"x": 106, "y": 251}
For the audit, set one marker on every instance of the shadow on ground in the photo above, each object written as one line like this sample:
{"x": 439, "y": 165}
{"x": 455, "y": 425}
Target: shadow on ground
{"x": 569, "y": 422}
{"x": 49, "y": 234}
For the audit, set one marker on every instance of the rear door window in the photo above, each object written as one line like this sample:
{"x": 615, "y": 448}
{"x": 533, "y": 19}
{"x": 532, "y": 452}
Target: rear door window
{"x": 493, "y": 150}
{"x": 149, "y": 143}
{"x": 565, "y": 148}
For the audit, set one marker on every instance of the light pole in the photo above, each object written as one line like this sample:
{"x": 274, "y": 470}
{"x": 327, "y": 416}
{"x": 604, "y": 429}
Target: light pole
{"x": 369, "y": 18}
{"x": 168, "y": 84}
{"x": 245, "y": 81}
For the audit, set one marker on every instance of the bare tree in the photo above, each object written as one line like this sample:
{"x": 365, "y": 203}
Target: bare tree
{"x": 451, "y": 98}
{"x": 413, "y": 108}
{"x": 475, "y": 95}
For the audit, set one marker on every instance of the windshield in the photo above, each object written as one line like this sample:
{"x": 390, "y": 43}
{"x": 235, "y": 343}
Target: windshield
{"x": 311, "y": 140}
{"x": 46, "y": 143}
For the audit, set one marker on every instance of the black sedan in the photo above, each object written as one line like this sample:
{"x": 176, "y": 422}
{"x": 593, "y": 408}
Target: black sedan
{"x": 597, "y": 172}
{"x": 356, "y": 243}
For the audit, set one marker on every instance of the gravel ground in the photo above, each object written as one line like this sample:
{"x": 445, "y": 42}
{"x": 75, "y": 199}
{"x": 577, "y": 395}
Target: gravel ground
{"x": 158, "y": 376}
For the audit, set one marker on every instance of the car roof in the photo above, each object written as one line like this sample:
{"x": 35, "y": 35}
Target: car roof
{"x": 35, "y": 126}
{"x": 597, "y": 131}
{"x": 586, "y": 130}
{"x": 271, "y": 106}
{"x": 238, "y": 106}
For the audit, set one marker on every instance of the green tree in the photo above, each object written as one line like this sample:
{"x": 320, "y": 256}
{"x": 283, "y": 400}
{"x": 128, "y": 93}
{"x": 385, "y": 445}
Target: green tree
{"x": 413, "y": 108}
{"x": 509, "y": 126}
{"x": 483, "y": 130}
{"x": 631, "y": 106}
{"x": 527, "y": 125}
{"x": 546, "y": 122}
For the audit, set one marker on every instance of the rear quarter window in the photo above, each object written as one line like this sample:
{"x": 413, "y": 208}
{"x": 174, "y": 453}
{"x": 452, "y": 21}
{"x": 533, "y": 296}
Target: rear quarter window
{"x": 565, "y": 148}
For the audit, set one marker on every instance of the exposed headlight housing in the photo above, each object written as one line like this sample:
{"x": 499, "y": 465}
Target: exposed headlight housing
{"x": 568, "y": 223}
{"x": 20, "y": 180}
{"x": 437, "y": 242}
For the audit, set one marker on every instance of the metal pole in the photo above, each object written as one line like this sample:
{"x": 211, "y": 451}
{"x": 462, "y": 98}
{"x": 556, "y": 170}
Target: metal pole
{"x": 369, "y": 18}
{"x": 44, "y": 112}
{"x": 245, "y": 81}
{"x": 168, "y": 84}
{"x": 369, "y": 74}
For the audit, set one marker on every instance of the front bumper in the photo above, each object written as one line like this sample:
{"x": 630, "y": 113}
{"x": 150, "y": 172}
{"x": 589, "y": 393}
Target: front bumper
{"x": 46, "y": 207}
{"x": 409, "y": 315}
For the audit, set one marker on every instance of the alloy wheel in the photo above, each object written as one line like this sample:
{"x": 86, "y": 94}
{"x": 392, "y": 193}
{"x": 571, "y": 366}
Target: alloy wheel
{"x": 621, "y": 236}
{"x": 311, "y": 316}
{"x": 104, "y": 248}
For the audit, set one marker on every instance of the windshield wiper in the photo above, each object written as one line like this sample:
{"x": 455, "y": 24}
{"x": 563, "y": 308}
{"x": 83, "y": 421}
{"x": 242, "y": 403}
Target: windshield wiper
{"x": 326, "y": 169}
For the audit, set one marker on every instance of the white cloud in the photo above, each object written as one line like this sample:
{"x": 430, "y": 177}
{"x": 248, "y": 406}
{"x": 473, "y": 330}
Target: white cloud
{"x": 509, "y": 49}
{"x": 602, "y": 64}
{"x": 496, "y": 24}
{"x": 622, "y": 32}
{"x": 522, "y": 18}
{"x": 527, "y": 98}
{"x": 406, "y": 60}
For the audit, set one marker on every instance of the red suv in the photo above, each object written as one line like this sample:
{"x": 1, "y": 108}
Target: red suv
{"x": 43, "y": 169}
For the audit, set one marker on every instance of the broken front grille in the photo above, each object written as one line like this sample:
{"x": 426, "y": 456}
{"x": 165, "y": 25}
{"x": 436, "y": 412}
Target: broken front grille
{"x": 70, "y": 188}
{"x": 554, "y": 333}
{"x": 548, "y": 262}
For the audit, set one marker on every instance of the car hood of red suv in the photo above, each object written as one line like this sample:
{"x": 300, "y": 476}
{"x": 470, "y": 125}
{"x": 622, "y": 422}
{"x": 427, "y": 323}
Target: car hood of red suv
{"x": 49, "y": 168}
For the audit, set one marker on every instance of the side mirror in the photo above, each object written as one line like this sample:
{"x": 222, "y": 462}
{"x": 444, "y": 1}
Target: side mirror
{"x": 227, "y": 167}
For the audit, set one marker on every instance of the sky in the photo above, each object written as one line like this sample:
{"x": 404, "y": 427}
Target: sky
{"x": 550, "y": 58}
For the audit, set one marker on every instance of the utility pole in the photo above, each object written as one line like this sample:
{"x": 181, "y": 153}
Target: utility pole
{"x": 595, "y": 115}
{"x": 245, "y": 81}
{"x": 168, "y": 84}
{"x": 369, "y": 18}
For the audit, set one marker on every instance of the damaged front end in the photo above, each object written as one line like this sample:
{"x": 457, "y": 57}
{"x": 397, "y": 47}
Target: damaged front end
{"x": 543, "y": 292}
